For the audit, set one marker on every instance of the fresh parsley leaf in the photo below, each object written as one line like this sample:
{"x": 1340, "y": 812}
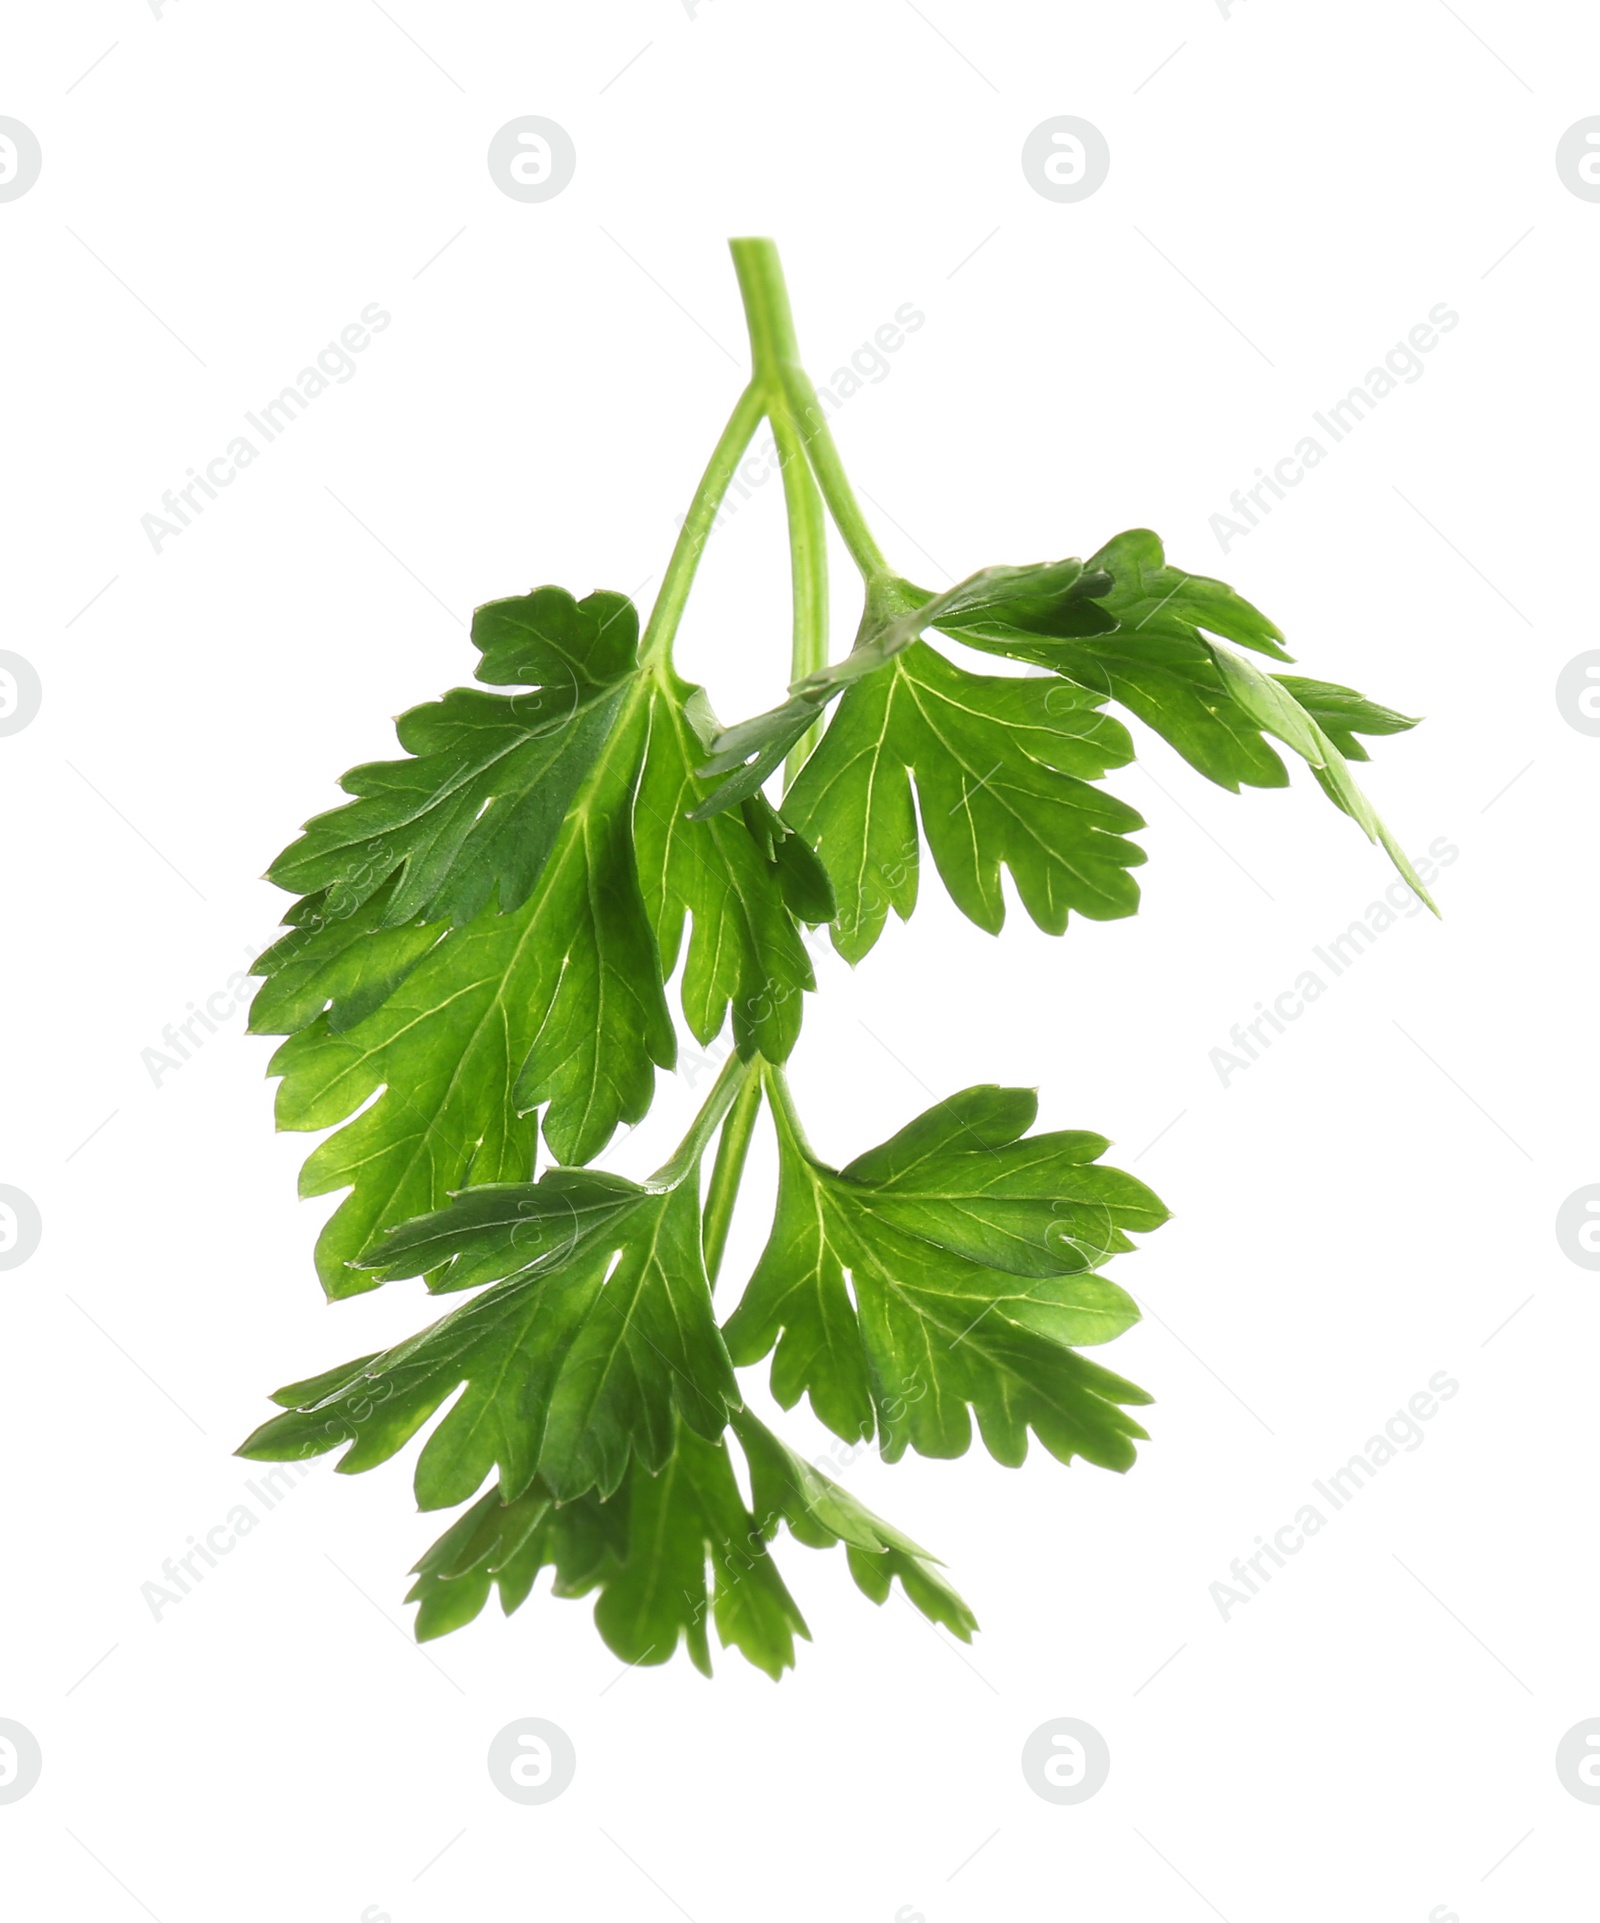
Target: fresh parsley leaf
{"x": 820, "y": 1513}
{"x": 741, "y": 878}
{"x": 675, "y": 1552}
{"x": 1004, "y": 771}
{"x": 1272, "y": 706}
{"x": 343, "y": 964}
{"x": 503, "y": 1545}
{"x": 594, "y": 1330}
{"x": 1125, "y": 626}
{"x": 1343, "y": 715}
{"x": 1148, "y": 596}
{"x": 1160, "y": 664}
{"x": 559, "y": 1001}
{"x": 970, "y": 1250}
{"x": 1058, "y": 598}
{"x": 490, "y": 924}
{"x": 477, "y": 807}
{"x": 1214, "y": 706}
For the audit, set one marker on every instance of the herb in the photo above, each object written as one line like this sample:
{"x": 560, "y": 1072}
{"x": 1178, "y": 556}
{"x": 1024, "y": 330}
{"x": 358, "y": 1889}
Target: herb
{"x": 480, "y": 955}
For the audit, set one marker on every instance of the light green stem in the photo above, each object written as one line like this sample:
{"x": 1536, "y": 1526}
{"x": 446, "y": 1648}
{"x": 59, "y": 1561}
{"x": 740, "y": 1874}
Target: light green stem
{"x": 784, "y": 1112}
{"x": 831, "y": 477}
{"x": 774, "y": 355}
{"x": 808, "y": 563}
{"x": 766, "y": 305}
{"x": 727, "y": 1171}
{"x": 766, "y": 300}
{"x": 724, "y": 1092}
{"x": 656, "y": 644}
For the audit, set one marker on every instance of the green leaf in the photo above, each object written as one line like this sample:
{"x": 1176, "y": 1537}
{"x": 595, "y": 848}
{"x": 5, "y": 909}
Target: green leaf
{"x": 1343, "y": 715}
{"x": 694, "y": 1550}
{"x": 1213, "y": 705}
{"x": 484, "y": 1548}
{"x": 1268, "y": 701}
{"x": 1054, "y": 598}
{"x": 489, "y": 926}
{"x": 802, "y": 880}
{"x": 1126, "y": 626}
{"x": 545, "y": 639}
{"x": 970, "y": 1251}
{"x": 670, "y": 1553}
{"x": 1172, "y": 685}
{"x": 475, "y": 810}
{"x": 784, "y": 1486}
{"x": 469, "y": 818}
{"x": 1003, "y": 769}
{"x": 1158, "y": 664}
{"x": 673, "y": 1552}
{"x": 594, "y": 1328}
{"x": 559, "y": 1001}
{"x": 343, "y": 963}
{"x": 1149, "y": 597}
{"x": 737, "y": 884}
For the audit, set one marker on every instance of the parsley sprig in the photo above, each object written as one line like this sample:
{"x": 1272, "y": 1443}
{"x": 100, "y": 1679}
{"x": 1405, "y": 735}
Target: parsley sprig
{"x": 478, "y": 961}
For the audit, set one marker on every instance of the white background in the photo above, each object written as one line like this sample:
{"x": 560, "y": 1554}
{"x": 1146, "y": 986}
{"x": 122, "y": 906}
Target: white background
{"x": 1292, "y": 191}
